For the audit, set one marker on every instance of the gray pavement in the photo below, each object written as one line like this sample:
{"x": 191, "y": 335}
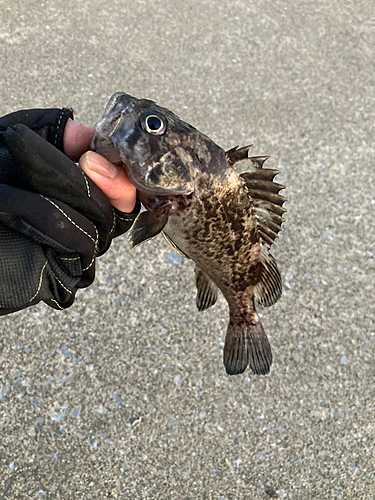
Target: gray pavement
{"x": 124, "y": 395}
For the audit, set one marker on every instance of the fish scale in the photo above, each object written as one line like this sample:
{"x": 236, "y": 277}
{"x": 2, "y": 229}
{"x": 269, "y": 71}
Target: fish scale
{"x": 221, "y": 209}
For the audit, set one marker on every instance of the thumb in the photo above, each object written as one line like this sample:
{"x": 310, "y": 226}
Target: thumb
{"x": 110, "y": 179}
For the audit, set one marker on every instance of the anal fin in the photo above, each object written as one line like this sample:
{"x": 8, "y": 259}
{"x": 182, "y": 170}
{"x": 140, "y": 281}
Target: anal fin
{"x": 269, "y": 289}
{"x": 206, "y": 290}
{"x": 147, "y": 225}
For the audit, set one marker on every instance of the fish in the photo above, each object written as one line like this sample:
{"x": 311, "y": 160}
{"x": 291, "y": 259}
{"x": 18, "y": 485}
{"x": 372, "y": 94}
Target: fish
{"x": 221, "y": 209}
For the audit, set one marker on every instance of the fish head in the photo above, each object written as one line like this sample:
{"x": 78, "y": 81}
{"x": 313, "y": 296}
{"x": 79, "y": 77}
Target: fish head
{"x": 162, "y": 154}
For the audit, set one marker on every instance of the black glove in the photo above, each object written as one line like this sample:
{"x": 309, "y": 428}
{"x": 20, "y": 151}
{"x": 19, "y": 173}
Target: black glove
{"x": 54, "y": 220}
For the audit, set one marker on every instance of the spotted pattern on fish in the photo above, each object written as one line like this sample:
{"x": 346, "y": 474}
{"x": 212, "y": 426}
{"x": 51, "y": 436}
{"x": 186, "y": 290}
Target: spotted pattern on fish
{"x": 221, "y": 209}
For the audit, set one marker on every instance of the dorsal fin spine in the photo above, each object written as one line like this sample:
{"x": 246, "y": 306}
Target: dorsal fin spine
{"x": 264, "y": 192}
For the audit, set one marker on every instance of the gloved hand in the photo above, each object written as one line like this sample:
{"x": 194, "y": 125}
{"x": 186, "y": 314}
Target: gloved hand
{"x": 54, "y": 220}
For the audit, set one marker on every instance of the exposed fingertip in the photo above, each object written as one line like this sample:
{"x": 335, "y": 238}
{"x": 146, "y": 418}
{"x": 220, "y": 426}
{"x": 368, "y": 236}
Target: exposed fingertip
{"x": 110, "y": 179}
{"x": 77, "y": 139}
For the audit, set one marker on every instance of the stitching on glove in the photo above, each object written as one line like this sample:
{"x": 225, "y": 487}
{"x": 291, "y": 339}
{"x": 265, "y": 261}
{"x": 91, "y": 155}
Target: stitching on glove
{"x": 87, "y": 184}
{"x": 70, "y": 220}
{"x": 95, "y": 251}
{"x": 64, "y": 287}
{"x": 58, "y": 126}
{"x": 113, "y": 223}
{"x": 124, "y": 218}
{"x": 40, "y": 281}
{"x": 68, "y": 258}
{"x": 58, "y": 305}
{"x": 91, "y": 263}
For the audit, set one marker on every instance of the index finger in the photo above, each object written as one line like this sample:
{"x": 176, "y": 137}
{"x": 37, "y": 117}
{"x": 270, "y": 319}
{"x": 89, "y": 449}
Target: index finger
{"x": 77, "y": 139}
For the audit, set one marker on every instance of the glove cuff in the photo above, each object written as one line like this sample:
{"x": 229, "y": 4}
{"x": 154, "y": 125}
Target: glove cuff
{"x": 124, "y": 221}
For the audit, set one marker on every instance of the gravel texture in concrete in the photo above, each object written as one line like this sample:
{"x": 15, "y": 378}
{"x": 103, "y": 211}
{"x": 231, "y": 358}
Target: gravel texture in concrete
{"x": 124, "y": 395}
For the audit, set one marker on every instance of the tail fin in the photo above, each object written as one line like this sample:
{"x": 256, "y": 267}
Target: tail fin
{"x": 247, "y": 344}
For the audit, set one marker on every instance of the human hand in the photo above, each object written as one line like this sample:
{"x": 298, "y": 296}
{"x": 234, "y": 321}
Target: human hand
{"x": 54, "y": 219}
{"x": 111, "y": 179}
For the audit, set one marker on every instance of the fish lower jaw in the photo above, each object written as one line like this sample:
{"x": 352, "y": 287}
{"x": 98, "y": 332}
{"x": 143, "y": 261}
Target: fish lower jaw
{"x": 144, "y": 185}
{"x": 155, "y": 202}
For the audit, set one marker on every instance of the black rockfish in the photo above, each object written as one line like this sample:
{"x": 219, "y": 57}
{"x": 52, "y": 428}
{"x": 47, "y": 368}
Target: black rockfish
{"x": 220, "y": 209}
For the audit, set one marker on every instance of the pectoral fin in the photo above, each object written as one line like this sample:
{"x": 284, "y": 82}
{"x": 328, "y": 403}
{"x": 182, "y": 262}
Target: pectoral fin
{"x": 148, "y": 225}
{"x": 206, "y": 290}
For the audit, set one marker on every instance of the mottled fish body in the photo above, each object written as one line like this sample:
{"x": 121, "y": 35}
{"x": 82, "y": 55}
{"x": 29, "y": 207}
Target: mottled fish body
{"x": 220, "y": 209}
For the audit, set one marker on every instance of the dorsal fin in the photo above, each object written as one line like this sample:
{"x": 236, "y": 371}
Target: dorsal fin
{"x": 236, "y": 154}
{"x": 259, "y": 160}
{"x": 267, "y": 202}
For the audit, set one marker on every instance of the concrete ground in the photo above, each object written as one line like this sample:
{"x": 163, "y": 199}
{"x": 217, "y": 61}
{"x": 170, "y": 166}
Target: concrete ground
{"x": 124, "y": 395}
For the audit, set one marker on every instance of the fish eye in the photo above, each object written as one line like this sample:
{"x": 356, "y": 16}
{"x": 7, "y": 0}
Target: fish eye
{"x": 154, "y": 124}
